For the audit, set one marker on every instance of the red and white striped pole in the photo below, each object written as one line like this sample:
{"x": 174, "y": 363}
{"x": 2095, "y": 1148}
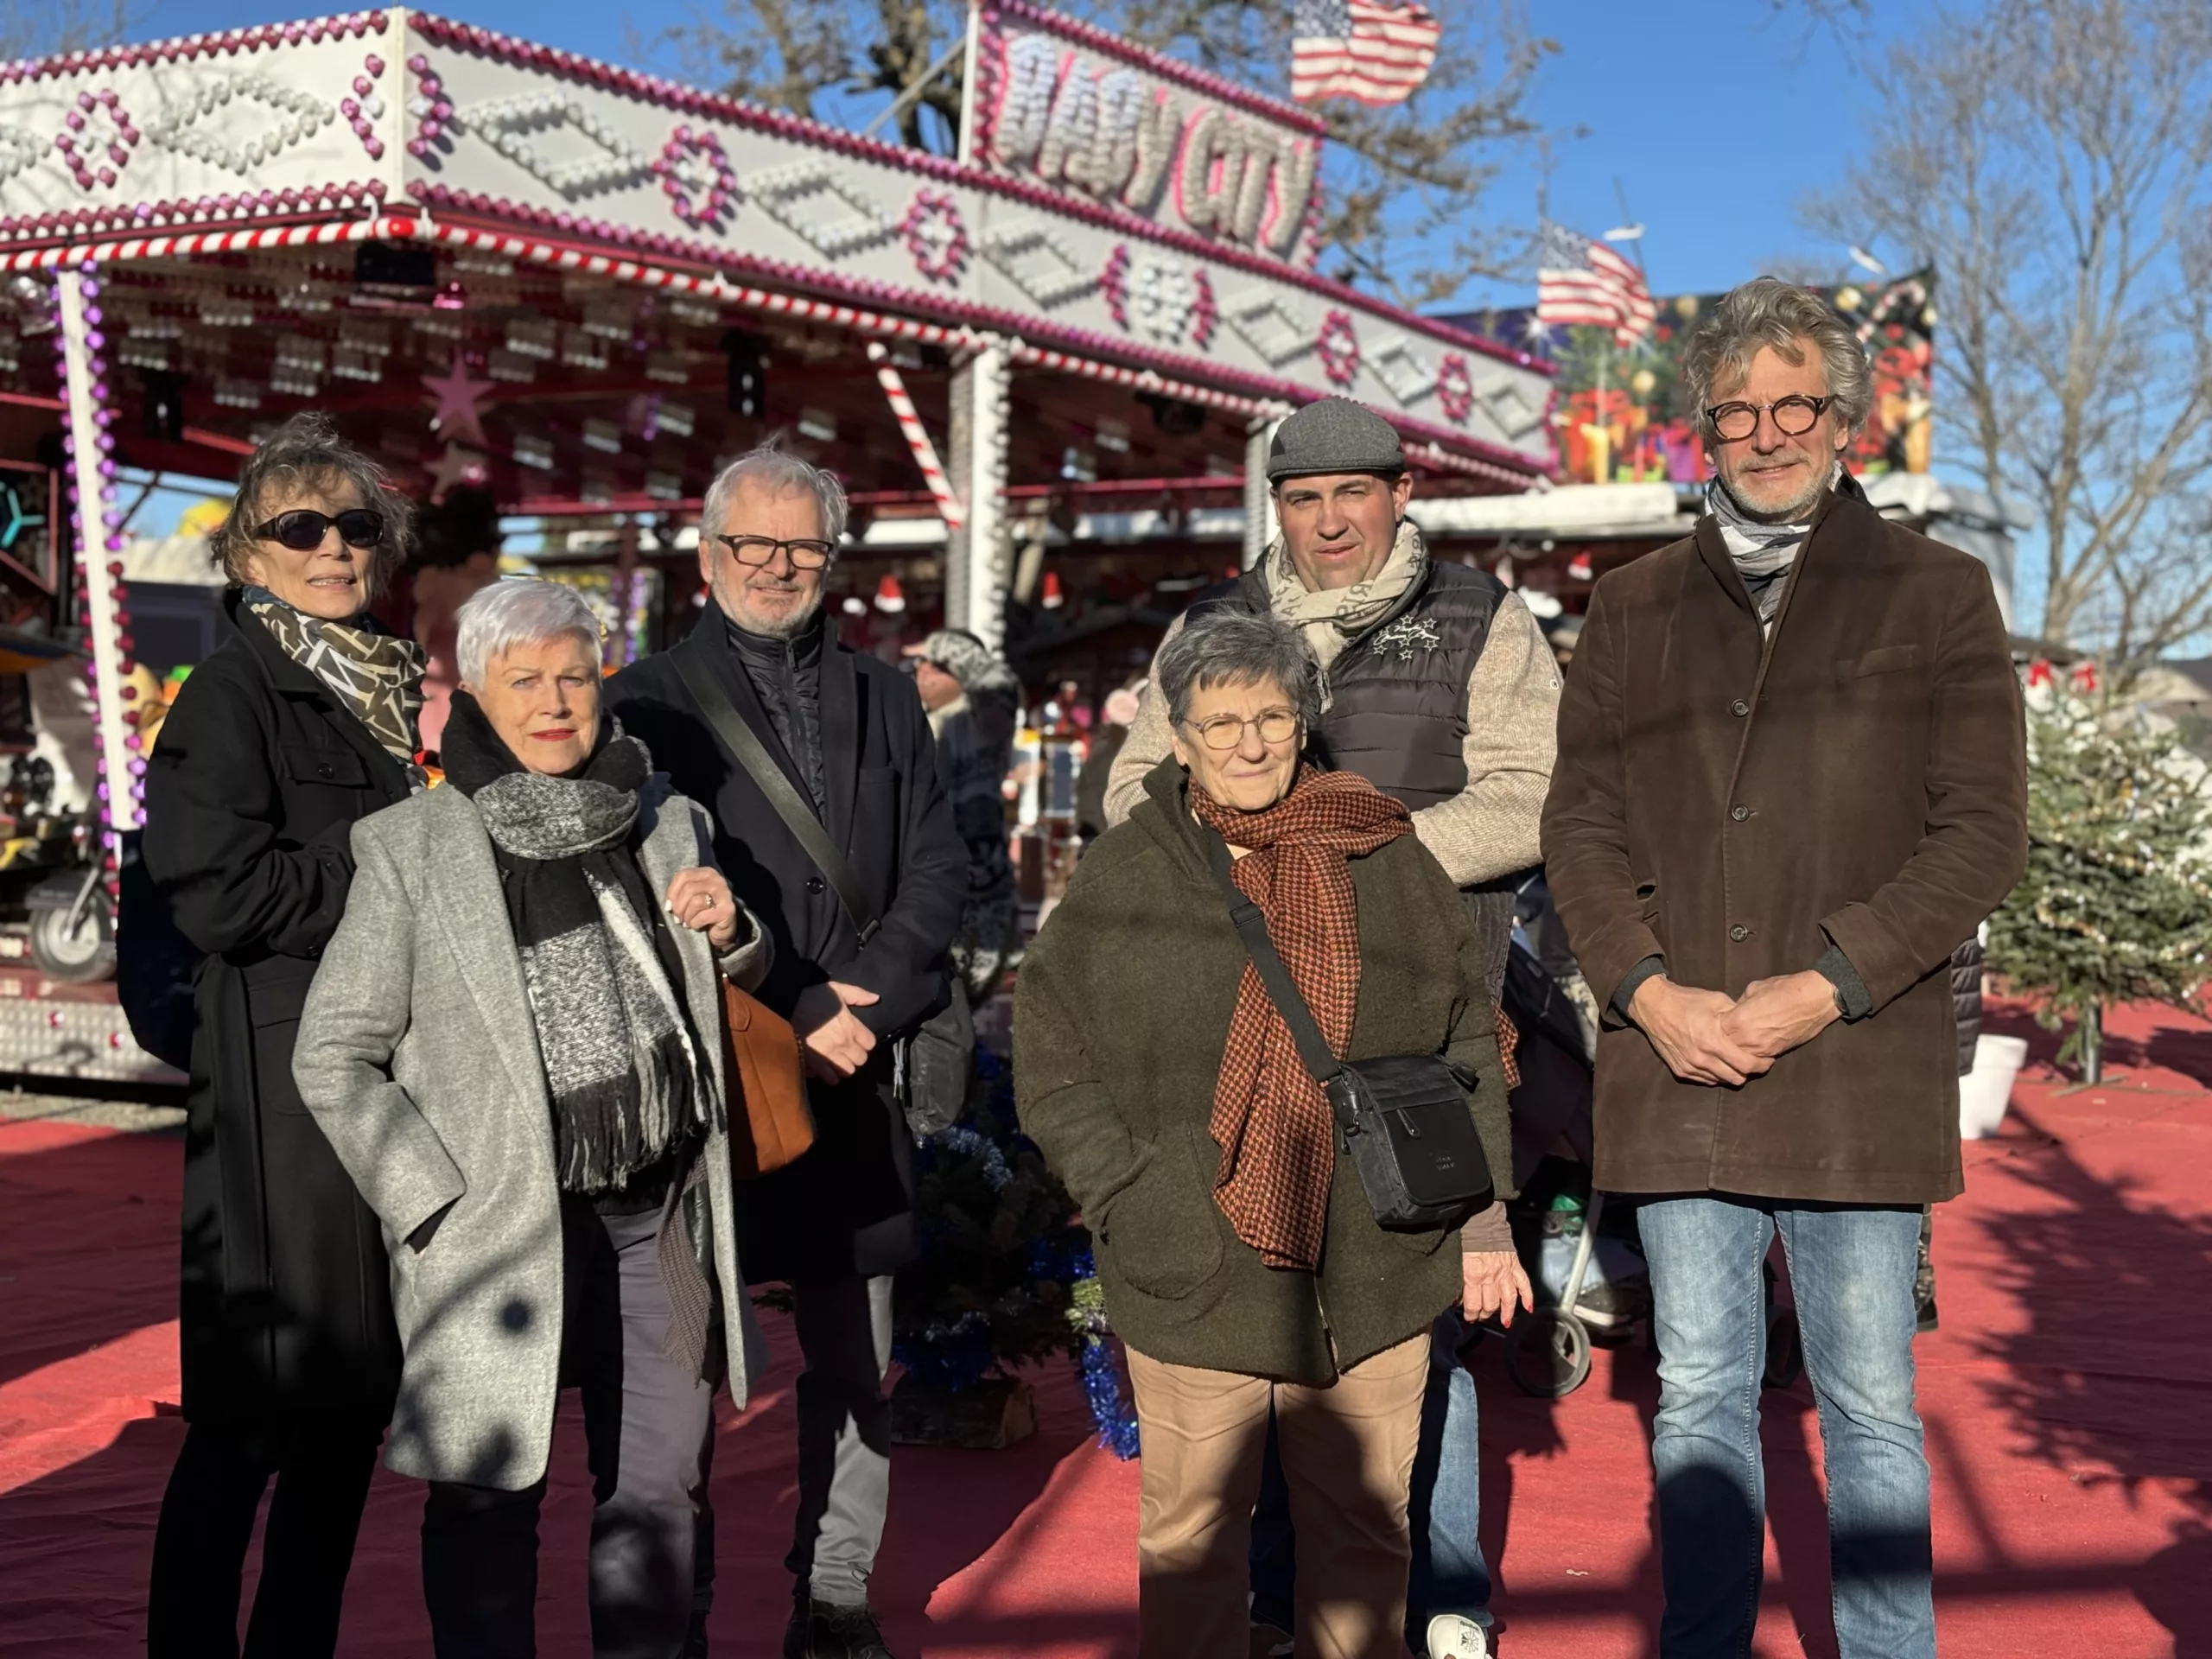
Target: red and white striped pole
{"x": 917, "y": 438}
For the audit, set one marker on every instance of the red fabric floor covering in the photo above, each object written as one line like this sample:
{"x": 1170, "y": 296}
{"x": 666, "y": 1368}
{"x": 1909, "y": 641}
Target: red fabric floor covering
{"x": 2067, "y": 1398}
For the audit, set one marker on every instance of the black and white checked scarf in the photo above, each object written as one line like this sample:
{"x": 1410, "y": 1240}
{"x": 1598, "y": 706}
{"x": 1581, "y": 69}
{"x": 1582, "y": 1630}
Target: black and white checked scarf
{"x": 376, "y": 676}
{"x": 628, "y": 1088}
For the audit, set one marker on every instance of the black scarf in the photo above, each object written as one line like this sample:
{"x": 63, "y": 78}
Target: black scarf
{"x": 626, "y": 1085}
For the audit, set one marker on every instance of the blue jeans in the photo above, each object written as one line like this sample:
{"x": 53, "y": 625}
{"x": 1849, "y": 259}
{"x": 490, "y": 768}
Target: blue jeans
{"x": 1449, "y": 1574}
{"x": 1852, "y": 1270}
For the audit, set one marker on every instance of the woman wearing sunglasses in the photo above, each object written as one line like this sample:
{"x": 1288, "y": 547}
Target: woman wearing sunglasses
{"x": 303, "y": 722}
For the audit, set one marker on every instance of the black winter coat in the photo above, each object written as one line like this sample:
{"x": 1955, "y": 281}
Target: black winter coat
{"x": 846, "y": 1206}
{"x": 252, "y": 791}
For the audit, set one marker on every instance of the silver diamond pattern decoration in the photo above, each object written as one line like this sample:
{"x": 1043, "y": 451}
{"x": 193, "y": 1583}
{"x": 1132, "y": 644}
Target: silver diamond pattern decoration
{"x": 210, "y": 125}
{"x": 1037, "y": 259}
{"x": 518, "y": 128}
{"x": 1269, "y": 327}
{"x": 814, "y": 202}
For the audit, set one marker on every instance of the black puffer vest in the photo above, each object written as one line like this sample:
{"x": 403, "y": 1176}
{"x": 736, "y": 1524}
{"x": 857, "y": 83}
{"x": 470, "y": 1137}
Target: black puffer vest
{"x": 1398, "y": 690}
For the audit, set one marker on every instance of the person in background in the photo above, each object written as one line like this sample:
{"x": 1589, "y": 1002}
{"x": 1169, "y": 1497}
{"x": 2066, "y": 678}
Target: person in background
{"x": 1792, "y": 778}
{"x": 1562, "y": 632}
{"x": 514, "y": 1042}
{"x": 1441, "y": 692}
{"x": 848, "y": 736}
{"x": 1116, "y": 715}
{"x": 1241, "y": 1262}
{"x": 457, "y": 554}
{"x": 974, "y": 703}
{"x": 299, "y": 725}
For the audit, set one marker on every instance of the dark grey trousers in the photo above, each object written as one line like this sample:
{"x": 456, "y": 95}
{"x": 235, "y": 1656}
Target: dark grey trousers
{"x": 844, "y": 1435}
{"x": 648, "y": 1430}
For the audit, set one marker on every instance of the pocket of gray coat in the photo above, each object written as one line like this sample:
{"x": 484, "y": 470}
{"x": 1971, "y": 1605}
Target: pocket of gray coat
{"x": 1888, "y": 660}
{"x": 1162, "y": 1230}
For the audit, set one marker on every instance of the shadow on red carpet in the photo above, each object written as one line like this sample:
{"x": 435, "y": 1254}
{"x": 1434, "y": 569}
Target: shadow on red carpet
{"x": 2068, "y": 1399}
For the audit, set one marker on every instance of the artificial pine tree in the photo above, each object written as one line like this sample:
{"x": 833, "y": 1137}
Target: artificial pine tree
{"x": 993, "y": 1290}
{"x": 2116, "y": 904}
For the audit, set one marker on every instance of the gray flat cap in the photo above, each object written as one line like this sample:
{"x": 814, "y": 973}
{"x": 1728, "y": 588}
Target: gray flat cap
{"x": 1334, "y": 435}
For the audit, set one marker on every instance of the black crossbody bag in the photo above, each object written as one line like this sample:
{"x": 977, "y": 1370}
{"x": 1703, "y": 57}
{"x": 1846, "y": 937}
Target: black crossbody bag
{"x": 1403, "y": 1118}
{"x": 935, "y": 1061}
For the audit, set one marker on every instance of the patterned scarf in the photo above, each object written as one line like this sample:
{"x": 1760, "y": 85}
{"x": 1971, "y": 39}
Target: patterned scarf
{"x": 1272, "y": 1120}
{"x": 1330, "y": 619}
{"x": 627, "y": 1087}
{"x": 1763, "y": 554}
{"x": 375, "y": 675}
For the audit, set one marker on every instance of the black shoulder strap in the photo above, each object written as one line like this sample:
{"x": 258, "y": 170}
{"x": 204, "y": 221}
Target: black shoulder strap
{"x": 798, "y": 817}
{"x": 1252, "y": 925}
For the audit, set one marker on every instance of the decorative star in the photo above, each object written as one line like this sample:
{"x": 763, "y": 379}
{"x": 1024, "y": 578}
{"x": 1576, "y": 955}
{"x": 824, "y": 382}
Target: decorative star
{"x": 457, "y": 466}
{"x": 458, "y": 397}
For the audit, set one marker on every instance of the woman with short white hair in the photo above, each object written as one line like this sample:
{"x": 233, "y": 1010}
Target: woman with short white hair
{"x": 514, "y": 1043}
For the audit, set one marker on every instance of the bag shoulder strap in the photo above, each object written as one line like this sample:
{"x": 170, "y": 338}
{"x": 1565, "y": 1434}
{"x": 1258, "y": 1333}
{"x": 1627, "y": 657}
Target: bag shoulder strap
{"x": 1282, "y": 991}
{"x": 796, "y": 815}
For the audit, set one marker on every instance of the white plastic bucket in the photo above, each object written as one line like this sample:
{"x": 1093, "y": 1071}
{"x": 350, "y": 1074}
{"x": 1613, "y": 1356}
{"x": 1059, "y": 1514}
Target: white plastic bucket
{"x": 1986, "y": 1091}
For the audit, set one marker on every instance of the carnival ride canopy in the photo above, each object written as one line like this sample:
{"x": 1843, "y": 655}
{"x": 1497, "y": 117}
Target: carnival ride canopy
{"x": 492, "y": 260}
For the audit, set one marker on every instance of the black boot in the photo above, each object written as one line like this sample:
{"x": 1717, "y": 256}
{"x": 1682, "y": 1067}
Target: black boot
{"x": 824, "y": 1630}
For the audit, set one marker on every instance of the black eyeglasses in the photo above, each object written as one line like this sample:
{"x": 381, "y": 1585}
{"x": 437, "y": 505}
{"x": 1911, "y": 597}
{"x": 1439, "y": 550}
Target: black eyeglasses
{"x": 302, "y": 530}
{"x": 1225, "y": 732}
{"x": 1793, "y": 416}
{"x": 806, "y": 553}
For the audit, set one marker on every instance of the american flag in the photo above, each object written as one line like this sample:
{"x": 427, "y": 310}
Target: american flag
{"x": 1584, "y": 281}
{"x": 1356, "y": 49}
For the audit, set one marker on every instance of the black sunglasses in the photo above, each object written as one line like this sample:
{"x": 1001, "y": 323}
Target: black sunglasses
{"x": 302, "y": 530}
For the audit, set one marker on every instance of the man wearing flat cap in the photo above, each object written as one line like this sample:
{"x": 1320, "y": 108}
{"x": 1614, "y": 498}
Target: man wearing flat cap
{"x": 1441, "y": 691}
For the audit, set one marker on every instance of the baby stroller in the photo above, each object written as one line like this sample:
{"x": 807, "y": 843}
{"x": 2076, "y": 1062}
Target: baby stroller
{"x": 1586, "y": 1265}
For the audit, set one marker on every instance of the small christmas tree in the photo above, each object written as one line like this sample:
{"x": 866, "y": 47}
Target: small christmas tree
{"x": 1000, "y": 1254}
{"x": 2116, "y": 904}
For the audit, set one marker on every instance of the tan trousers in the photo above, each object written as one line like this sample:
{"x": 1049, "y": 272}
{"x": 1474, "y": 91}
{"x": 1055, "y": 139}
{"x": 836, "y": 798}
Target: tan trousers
{"x": 1347, "y": 1455}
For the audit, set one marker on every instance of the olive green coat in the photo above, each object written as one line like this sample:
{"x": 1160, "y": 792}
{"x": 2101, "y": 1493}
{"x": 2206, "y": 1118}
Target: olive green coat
{"x": 1121, "y": 1016}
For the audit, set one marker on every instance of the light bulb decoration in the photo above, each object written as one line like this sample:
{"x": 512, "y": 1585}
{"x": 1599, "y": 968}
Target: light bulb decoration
{"x": 89, "y": 413}
{"x": 1455, "y": 388}
{"x": 1338, "y": 346}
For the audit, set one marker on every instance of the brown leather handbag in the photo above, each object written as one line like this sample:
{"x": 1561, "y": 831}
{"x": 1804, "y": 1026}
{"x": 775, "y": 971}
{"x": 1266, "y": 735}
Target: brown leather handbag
{"x": 761, "y": 1055}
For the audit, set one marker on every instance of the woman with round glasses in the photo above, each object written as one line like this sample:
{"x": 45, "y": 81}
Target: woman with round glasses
{"x": 1242, "y": 1265}
{"x": 300, "y": 724}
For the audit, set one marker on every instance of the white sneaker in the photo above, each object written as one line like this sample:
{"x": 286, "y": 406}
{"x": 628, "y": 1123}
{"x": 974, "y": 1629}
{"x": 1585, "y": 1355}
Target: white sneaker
{"x": 1451, "y": 1637}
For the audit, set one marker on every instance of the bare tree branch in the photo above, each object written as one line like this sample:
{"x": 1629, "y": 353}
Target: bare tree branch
{"x": 37, "y": 30}
{"x": 2053, "y": 160}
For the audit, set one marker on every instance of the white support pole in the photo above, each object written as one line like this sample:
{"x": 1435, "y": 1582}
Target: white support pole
{"x": 89, "y": 406}
{"x": 1259, "y": 500}
{"x": 974, "y": 557}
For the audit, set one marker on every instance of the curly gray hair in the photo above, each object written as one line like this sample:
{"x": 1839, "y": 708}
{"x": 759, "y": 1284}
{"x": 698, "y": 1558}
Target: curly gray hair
{"x": 1240, "y": 648}
{"x": 1783, "y": 317}
{"x": 307, "y": 452}
{"x": 782, "y": 473}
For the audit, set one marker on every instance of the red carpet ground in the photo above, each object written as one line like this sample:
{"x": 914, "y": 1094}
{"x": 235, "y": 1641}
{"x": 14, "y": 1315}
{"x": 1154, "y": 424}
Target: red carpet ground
{"x": 2068, "y": 1400}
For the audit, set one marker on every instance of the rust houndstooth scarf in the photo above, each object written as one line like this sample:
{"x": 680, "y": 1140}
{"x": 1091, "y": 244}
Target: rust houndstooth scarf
{"x": 1270, "y": 1118}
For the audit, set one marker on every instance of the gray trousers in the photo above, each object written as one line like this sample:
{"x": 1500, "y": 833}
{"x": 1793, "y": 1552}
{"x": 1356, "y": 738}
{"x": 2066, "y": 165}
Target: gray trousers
{"x": 844, "y": 1435}
{"x": 648, "y": 1431}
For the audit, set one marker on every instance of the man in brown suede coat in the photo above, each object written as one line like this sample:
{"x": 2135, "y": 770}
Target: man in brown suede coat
{"x": 1791, "y": 779}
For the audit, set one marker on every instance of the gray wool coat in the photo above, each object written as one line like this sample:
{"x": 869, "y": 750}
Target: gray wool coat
{"x": 418, "y": 1057}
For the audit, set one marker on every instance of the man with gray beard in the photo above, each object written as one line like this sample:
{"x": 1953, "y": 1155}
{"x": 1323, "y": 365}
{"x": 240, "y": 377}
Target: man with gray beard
{"x": 849, "y": 744}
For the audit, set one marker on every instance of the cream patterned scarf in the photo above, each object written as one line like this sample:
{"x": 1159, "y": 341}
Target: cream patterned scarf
{"x": 377, "y": 676}
{"x": 1331, "y": 619}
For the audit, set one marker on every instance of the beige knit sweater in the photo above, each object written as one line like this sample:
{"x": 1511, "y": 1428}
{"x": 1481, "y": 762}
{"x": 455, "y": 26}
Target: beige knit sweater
{"x": 1490, "y": 829}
